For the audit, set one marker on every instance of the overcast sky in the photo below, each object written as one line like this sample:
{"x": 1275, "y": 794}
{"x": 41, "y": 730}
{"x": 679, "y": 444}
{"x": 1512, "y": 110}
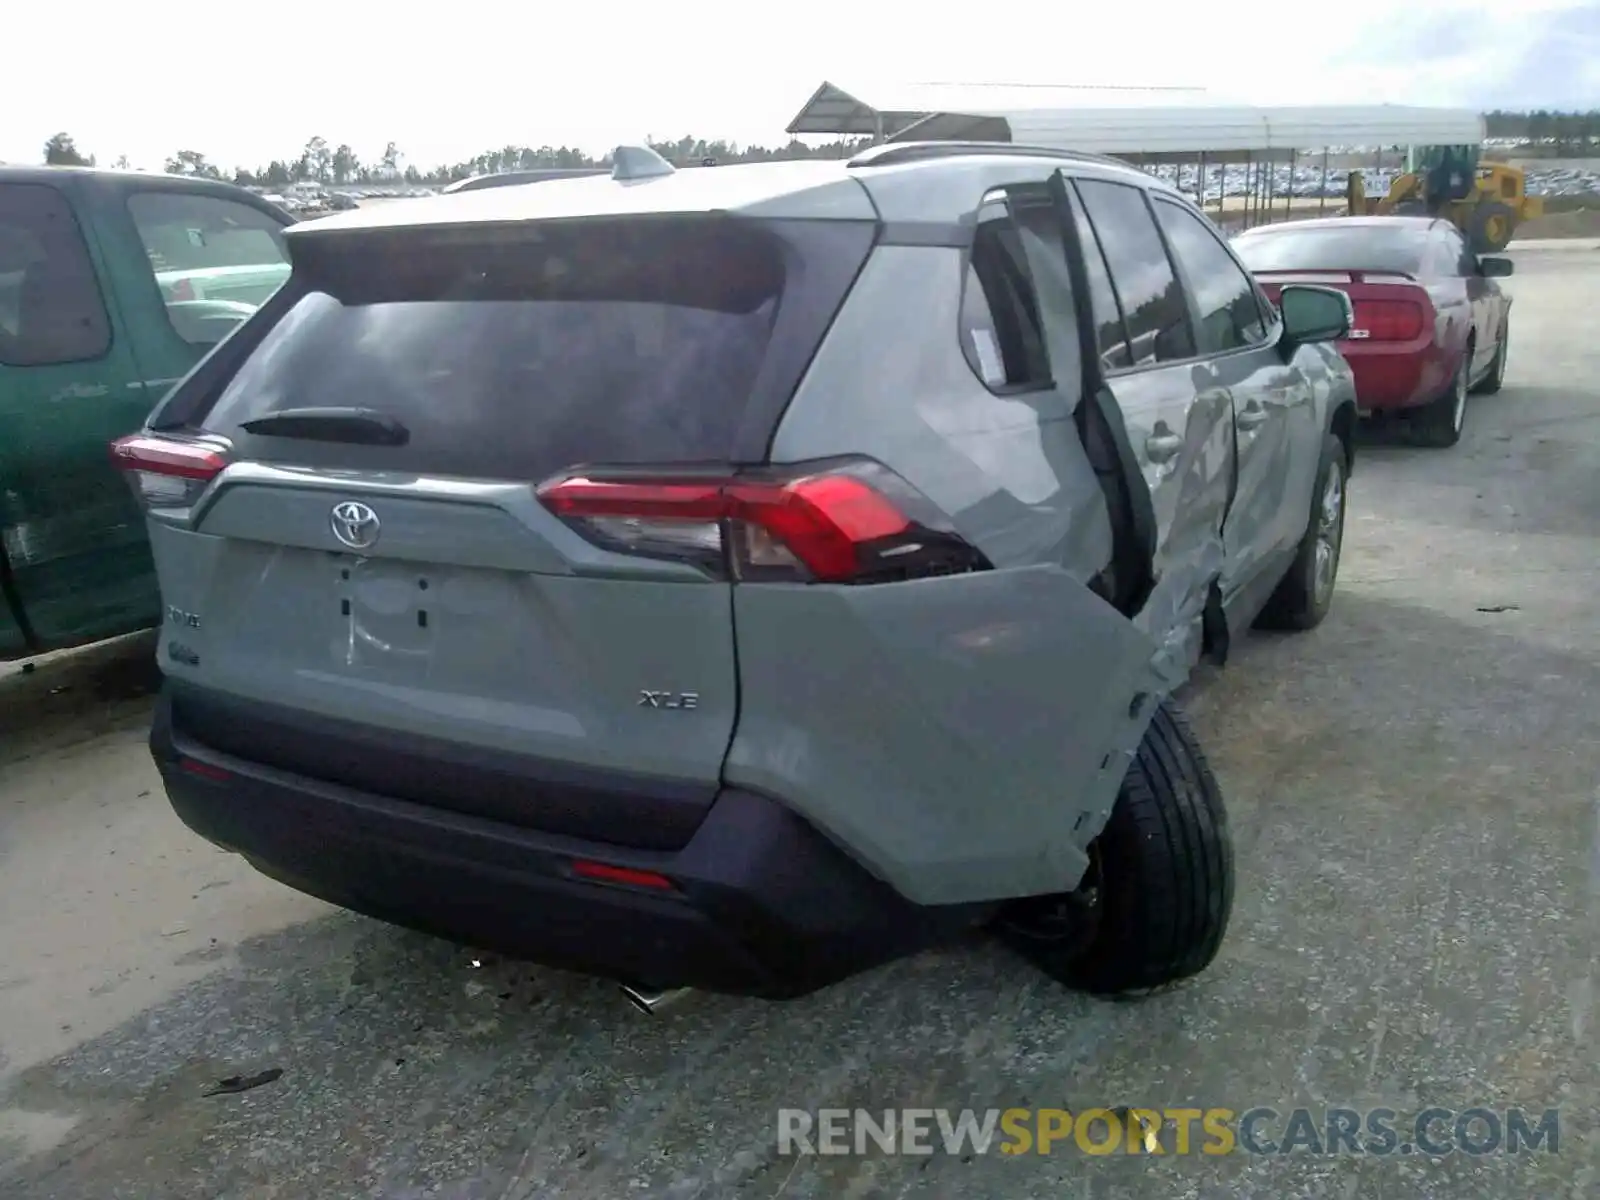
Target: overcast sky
{"x": 247, "y": 83}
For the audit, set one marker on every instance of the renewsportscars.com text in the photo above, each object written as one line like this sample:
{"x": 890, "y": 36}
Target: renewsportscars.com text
{"x": 1432, "y": 1132}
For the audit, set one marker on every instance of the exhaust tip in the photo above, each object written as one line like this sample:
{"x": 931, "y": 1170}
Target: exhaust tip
{"x": 652, "y": 1002}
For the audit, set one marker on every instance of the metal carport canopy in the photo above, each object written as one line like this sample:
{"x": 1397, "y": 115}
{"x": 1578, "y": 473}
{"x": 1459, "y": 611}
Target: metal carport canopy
{"x": 1129, "y": 122}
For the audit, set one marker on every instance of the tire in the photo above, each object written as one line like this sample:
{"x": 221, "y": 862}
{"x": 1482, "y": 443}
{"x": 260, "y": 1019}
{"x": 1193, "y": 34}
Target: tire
{"x": 1490, "y": 227}
{"x": 1305, "y": 593}
{"x": 1154, "y": 907}
{"x": 1439, "y": 424}
{"x": 1496, "y": 378}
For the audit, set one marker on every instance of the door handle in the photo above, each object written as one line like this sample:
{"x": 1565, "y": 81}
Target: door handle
{"x": 1253, "y": 417}
{"x": 1163, "y": 446}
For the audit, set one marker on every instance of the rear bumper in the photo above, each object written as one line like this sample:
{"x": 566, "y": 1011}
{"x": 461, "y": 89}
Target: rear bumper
{"x": 1396, "y": 376}
{"x": 762, "y": 905}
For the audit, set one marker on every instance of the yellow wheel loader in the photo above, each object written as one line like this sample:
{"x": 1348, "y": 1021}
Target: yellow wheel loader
{"x": 1485, "y": 200}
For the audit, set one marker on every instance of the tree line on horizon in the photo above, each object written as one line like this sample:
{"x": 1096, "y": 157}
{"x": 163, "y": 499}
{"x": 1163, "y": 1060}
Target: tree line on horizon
{"x": 322, "y": 162}
{"x": 1571, "y": 133}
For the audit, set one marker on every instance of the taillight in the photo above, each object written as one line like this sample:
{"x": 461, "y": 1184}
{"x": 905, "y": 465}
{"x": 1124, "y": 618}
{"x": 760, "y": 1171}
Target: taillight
{"x": 166, "y": 472}
{"x": 1387, "y": 320}
{"x": 846, "y": 523}
{"x": 180, "y": 291}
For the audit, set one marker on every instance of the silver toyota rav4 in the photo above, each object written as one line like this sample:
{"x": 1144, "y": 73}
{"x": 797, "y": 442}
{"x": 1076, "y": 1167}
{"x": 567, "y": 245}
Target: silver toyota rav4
{"x": 738, "y": 577}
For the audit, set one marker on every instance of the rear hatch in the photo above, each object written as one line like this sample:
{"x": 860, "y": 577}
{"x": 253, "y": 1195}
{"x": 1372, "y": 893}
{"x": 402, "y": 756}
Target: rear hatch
{"x": 370, "y": 590}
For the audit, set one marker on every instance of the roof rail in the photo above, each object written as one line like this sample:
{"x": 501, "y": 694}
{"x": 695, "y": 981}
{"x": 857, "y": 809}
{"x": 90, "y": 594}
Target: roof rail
{"x": 638, "y": 162}
{"x": 896, "y": 153}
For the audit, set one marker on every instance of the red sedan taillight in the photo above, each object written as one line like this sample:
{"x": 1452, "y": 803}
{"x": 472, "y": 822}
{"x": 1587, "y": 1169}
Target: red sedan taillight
{"x": 850, "y": 523}
{"x": 1387, "y": 320}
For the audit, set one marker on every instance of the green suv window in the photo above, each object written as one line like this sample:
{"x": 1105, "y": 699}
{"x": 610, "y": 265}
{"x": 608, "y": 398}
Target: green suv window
{"x": 214, "y": 260}
{"x": 51, "y": 311}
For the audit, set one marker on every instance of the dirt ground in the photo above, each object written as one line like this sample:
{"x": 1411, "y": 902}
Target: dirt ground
{"x": 1415, "y": 799}
{"x": 1578, "y": 223}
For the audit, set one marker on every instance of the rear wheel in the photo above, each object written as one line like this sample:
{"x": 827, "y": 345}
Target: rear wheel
{"x": 1305, "y": 593}
{"x": 1495, "y": 379}
{"x": 1440, "y": 423}
{"x": 1153, "y": 907}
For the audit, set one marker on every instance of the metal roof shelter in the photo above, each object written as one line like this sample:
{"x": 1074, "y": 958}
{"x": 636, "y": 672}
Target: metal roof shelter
{"x": 1143, "y": 125}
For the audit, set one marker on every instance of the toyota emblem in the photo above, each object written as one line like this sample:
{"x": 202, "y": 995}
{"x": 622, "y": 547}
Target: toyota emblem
{"x": 354, "y": 524}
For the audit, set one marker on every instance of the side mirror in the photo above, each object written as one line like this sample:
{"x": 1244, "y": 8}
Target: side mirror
{"x": 1314, "y": 314}
{"x": 1496, "y": 268}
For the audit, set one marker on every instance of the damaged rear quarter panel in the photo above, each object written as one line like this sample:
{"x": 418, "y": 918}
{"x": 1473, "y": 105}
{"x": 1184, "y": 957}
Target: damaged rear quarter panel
{"x": 964, "y": 737}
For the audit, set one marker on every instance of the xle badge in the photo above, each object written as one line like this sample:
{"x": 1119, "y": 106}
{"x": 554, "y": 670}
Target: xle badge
{"x": 186, "y": 620}
{"x": 682, "y": 701}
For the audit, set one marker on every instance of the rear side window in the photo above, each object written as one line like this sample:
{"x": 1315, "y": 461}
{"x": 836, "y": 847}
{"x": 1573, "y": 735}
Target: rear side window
{"x": 1224, "y": 295}
{"x": 1153, "y": 304}
{"x": 1018, "y": 293}
{"x": 1000, "y": 331}
{"x": 51, "y": 310}
{"x": 513, "y": 355}
{"x": 214, "y": 260}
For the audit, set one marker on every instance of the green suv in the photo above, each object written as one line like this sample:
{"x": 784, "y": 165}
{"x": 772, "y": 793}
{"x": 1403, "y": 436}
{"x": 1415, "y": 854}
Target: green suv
{"x": 113, "y": 284}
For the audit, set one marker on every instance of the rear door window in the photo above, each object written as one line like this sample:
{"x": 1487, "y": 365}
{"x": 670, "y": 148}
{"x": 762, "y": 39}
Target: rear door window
{"x": 214, "y": 260}
{"x": 51, "y": 310}
{"x": 1152, "y": 302}
{"x": 1224, "y": 295}
{"x": 1110, "y": 331}
{"x": 515, "y": 355}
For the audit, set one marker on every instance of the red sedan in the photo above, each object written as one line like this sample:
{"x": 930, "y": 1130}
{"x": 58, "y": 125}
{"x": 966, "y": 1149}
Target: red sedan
{"x": 1430, "y": 321}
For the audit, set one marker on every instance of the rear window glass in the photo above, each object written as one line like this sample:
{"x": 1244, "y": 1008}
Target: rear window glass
{"x": 1351, "y": 248}
{"x": 514, "y": 355}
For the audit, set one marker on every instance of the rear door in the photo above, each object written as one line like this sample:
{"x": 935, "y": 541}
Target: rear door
{"x": 1177, "y": 409}
{"x": 411, "y": 589}
{"x": 1274, "y": 402}
{"x": 78, "y": 562}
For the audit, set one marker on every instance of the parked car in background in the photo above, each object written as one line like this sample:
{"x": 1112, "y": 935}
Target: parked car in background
{"x": 112, "y": 286}
{"x": 1431, "y": 324}
{"x": 737, "y": 577}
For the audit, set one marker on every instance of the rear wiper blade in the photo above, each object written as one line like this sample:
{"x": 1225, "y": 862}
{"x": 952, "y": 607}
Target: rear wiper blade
{"x": 365, "y": 426}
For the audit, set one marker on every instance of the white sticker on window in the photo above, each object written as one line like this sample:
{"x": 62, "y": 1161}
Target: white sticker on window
{"x": 988, "y": 352}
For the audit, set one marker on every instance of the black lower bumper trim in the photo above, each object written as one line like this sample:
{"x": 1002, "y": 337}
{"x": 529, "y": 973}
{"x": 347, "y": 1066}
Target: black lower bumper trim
{"x": 763, "y": 905}
{"x": 609, "y": 805}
